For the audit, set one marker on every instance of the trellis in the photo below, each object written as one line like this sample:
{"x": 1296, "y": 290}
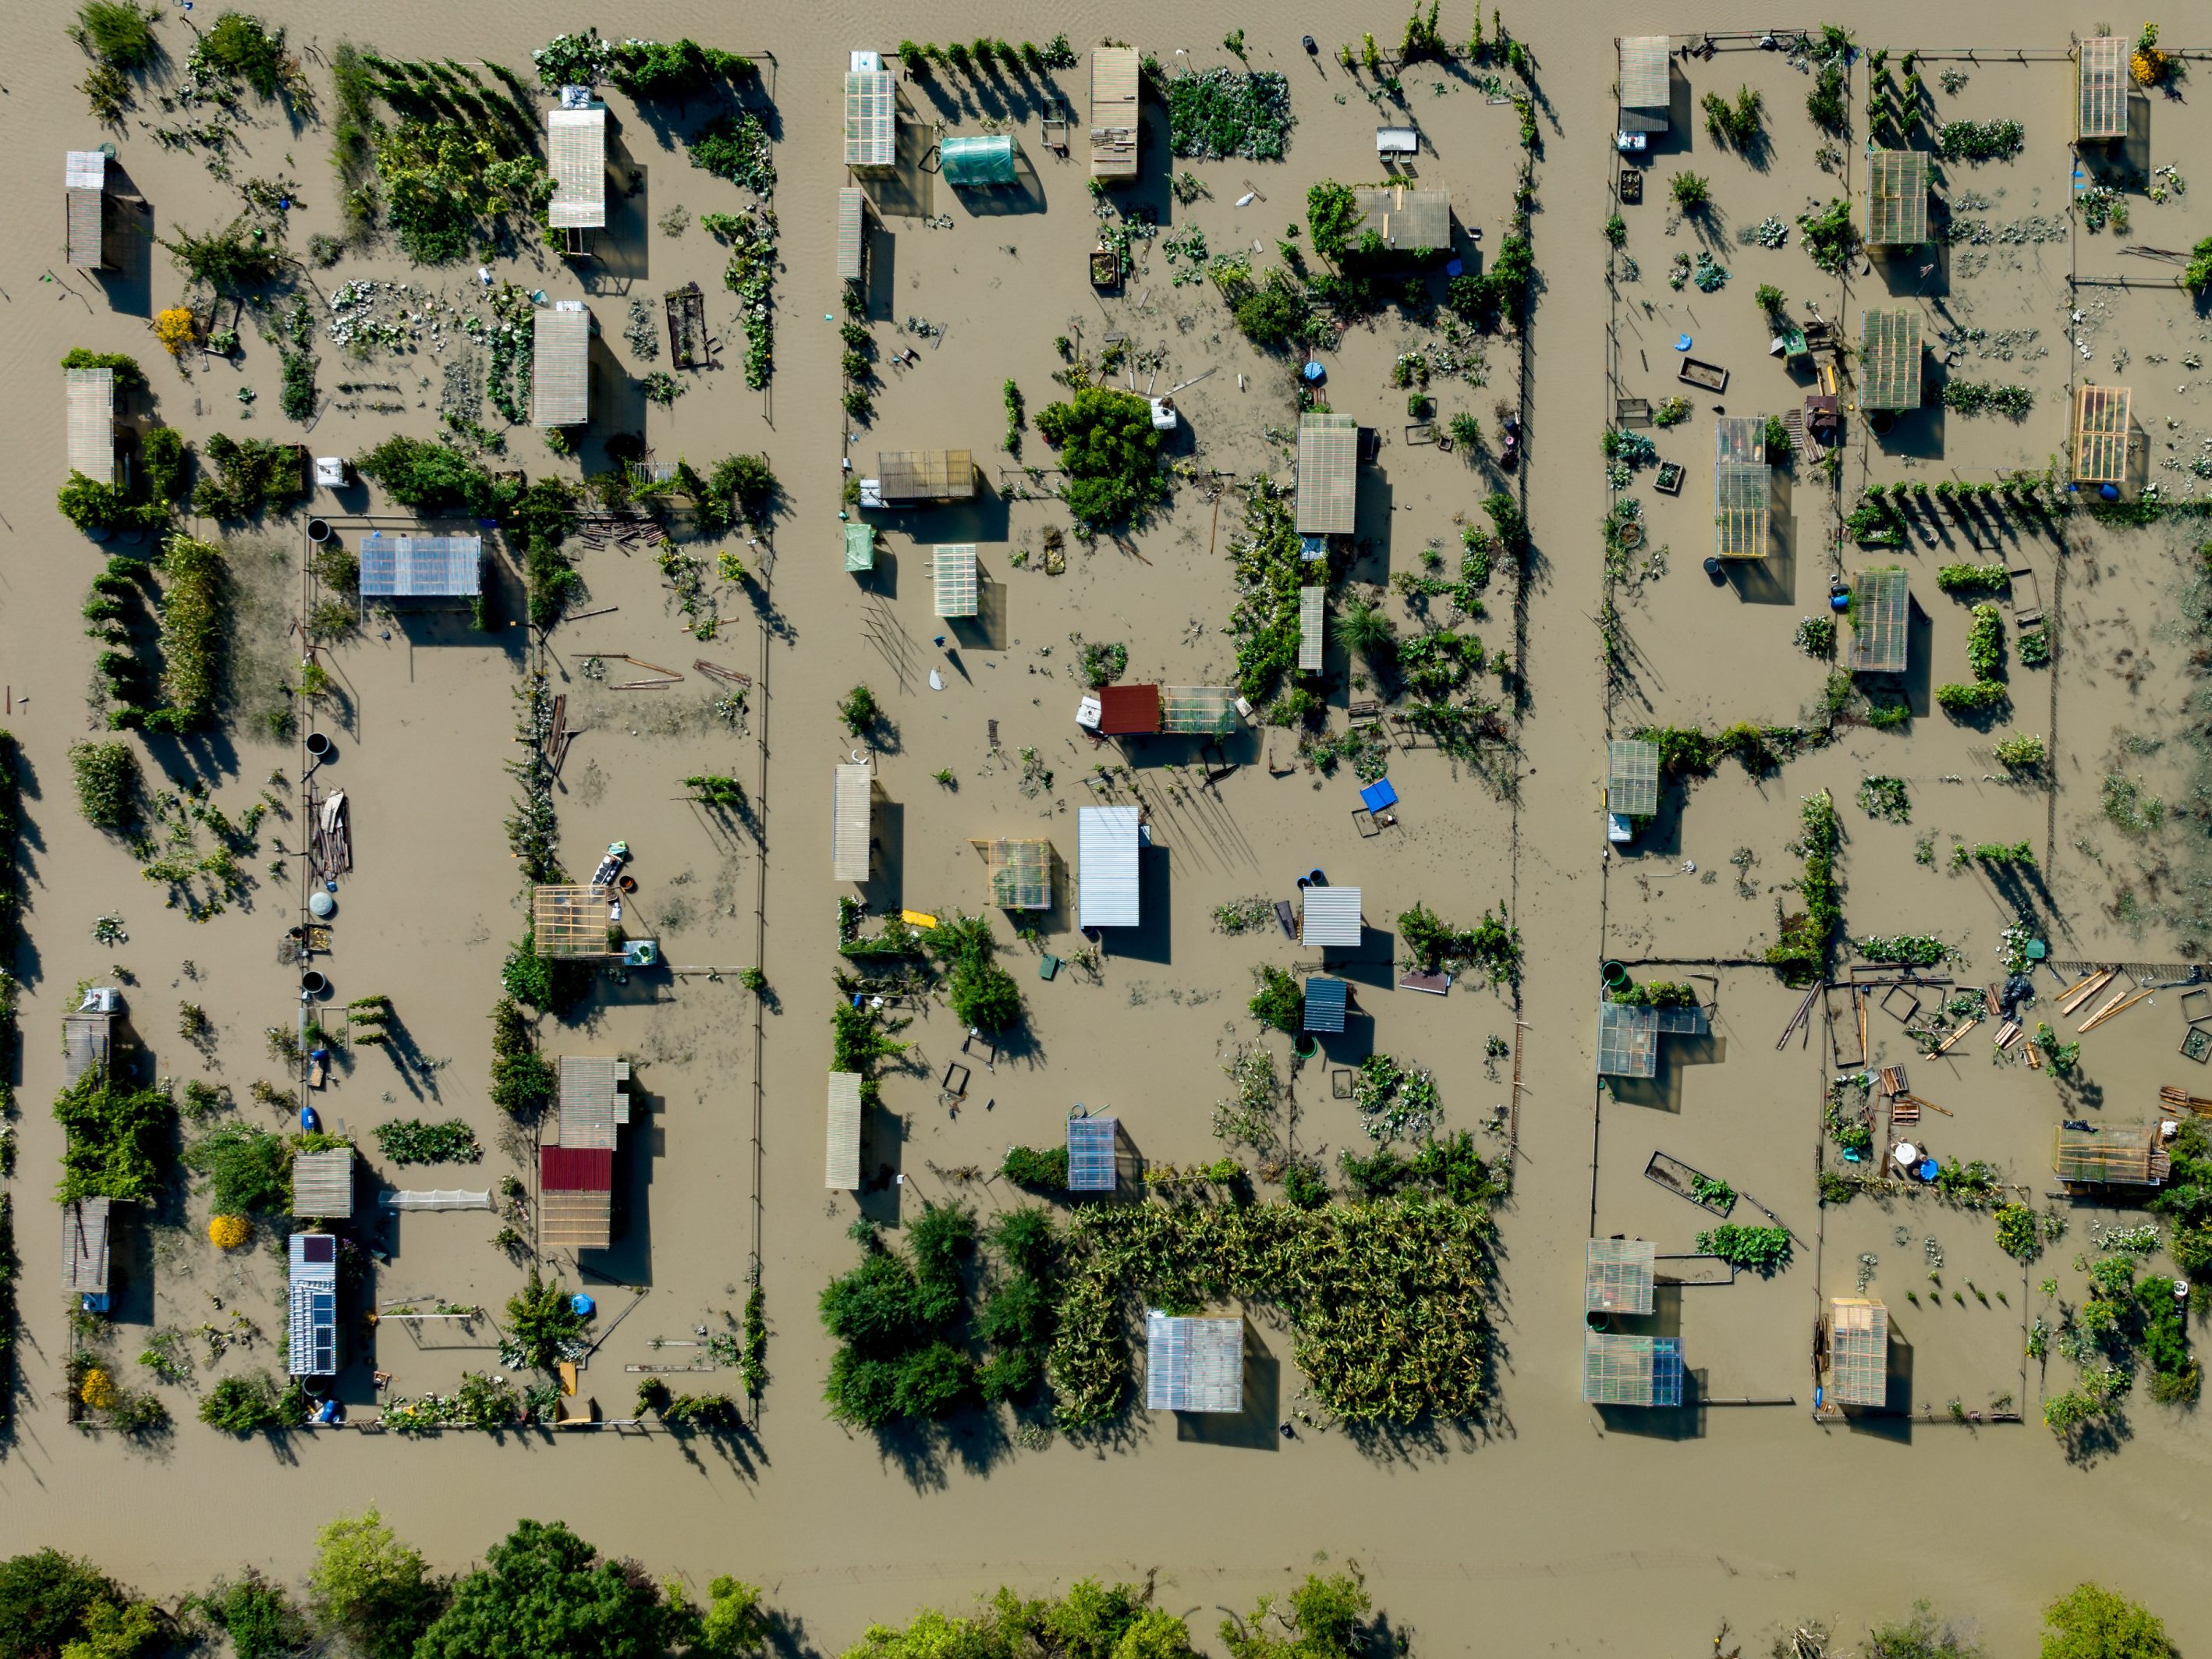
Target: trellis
{"x": 2101, "y": 415}
{"x": 1889, "y": 359}
{"x": 1741, "y": 488}
{"x": 1897, "y": 198}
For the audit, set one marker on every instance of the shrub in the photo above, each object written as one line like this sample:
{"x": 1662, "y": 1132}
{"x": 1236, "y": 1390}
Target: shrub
{"x": 248, "y": 1170}
{"x": 118, "y": 34}
{"x": 1974, "y": 579}
{"x": 1980, "y": 698}
{"x": 1038, "y": 1168}
{"x": 2091, "y": 1622}
{"x": 430, "y": 477}
{"x": 2022, "y": 751}
{"x": 163, "y": 451}
{"x": 1111, "y": 453}
{"x": 245, "y": 1405}
{"x": 1763, "y": 1249}
{"x": 736, "y": 148}
{"x": 857, "y": 711}
{"x": 2197, "y": 275}
{"x": 543, "y": 1325}
{"x": 227, "y": 259}
{"x": 371, "y": 1589}
{"x": 1690, "y": 191}
{"x": 107, "y": 785}
{"x": 2018, "y": 1235}
{"x": 1280, "y": 1000}
{"x": 1985, "y": 642}
{"x": 1770, "y": 299}
{"x": 91, "y": 505}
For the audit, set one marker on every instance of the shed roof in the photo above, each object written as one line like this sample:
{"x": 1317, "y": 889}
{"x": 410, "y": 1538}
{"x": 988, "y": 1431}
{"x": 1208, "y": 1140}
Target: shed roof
{"x": 1019, "y": 872}
{"x": 1858, "y": 1352}
{"x": 1407, "y": 219}
{"x": 322, "y": 1184}
{"x": 1311, "y": 601}
{"x": 851, "y": 235}
{"x": 843, "y": 1168}
{"x": 85, "y": 186}
{"x": 1889, "y": 359}
{"x": 420, "y": 567}
{"x": 85, "y": 1245}
{"x": 1632, "y": 777}
{"x": 2115, "y": 1155}
{"x": 88, "y": 1040}
{"x": 1325, "y": 1003}
{"x": 860, "y": 546}
{"x": 1198, "y": 710}
{"x": 92, "y": 423}
{"x": 851, "y": 825}
{"x": 1631, "y": 1370}
{"x": 1331, "y": 917}
{"x": 1617, "y": 1274}
{"x": 1742, "y": 486}
{"x": 926, "y": 475}
{"x": 312, "y": 1306}
{"x": 1106, "y": 891}
{"x": 2101, "y": 417}
{"x": 2101, "y": 87}
{"x": 572, "y": 919}
{"x": 1114, "y": 118}
{"x": 1881, "y": 622}
{"x": 871, "y": 119}
{"x": 576, "y": 156}
{"x": 589, "y": 1088}
{"x": 1128, "y": 710}
{"x": 1192, "y": 1364}
{"x": 1897, "y": 198}
{"x": 953, "y": 575}
{"x": 1328, "y": 466}
{"x": 1092, "y": 1144}
{"x": 984, "y": 159}
{"x": 559, "y": 366}
{"x": 1397, "y": 141}
{"x": 575, "y": 1169}
{"x": 1646, "y": 91}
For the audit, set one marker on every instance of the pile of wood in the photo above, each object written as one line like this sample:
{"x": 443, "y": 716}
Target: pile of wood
{"x": 330, "y": 835}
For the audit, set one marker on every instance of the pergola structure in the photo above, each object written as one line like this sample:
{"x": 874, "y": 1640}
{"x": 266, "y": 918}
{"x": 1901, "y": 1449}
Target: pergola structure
{"x": 1198, "y": 711}
{"x": 1631, "y": 1370}
{"x": 2101, "y": 80}
{"x": 573, "y": 920}
{"x": 1889, "y": 359}
{"x": 2101, "y": 416}
{"x": 1019, "y": 872}
{"x": 1881, "y": 617}
{"x": 1742, "y": 486}
{"x": 2111, "y": 1155}
{"x": 1632, "y": 777}
{"x": 1897, "y": 198}
{"x": 1858, "y": 1352}
{"x": 1616, "y": 1275}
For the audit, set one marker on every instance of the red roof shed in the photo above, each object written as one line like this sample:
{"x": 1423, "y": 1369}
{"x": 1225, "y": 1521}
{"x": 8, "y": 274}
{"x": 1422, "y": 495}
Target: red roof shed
{"x": 1128, "y": 710}
{"x": 575, "y": 1169}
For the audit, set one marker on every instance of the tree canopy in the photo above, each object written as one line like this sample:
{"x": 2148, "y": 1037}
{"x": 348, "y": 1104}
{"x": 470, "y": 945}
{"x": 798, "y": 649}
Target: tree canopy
{"x": 545, "y": 1594}
{"x": 2091, "y": 1622}
{"x": 1091, "y": 1621}
{"x": 1111, "y": 452}
{"x": 369, "y": 1586}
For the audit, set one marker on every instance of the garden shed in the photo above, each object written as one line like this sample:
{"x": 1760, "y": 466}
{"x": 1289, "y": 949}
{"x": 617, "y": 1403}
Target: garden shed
{"x": 1326, "y": 1000}
{"x": 851, "y": 803}
{"x": 592, "y": 1099}
{"x": 420, "y": 567}
{"x": 852, "y": 236}
{"x": 1128, "y": 711}
{"x": 1019, "y": 872}
{"x": 1897, "y": 198}
{"x": 1114, "y": 119}
{"x": 2101, "y": 417}
{"x": 85, "y": 1252}
{"x": 1330, "y": 918}
{"x": 1192, "y": 1364}
{"x": 978, "y": 162}
{"x": 92, "y": 436}
{"x": 2100, "y": 80}
{"x": 1889, "y": 359}
{"x": 905, "y": 476}
{"x": 1407, "y": 221}
{"x": 87, "y": 1043}
{"x": 576, "y": 156}
{"x": 1628, "y": 1035}
{"x": 1741, "y": 487}
{"x": 871, "y": 115}
{"x": 1198, "y": 711}
{"x": 859, "y": 547}
{"x": 1616, "y": 1275}
{"x": 1631, "y": 1370}
{"x": 560, "y": 365}
{"x": 575, "y": 1197}
{"x": 1632, "y": 777}
{"x": 953, "y": 575}
{"x": 322, "y": 1185}
{"x": 84, "y": 189}
{"x": 574, "y": 920}
{"x": 1106, "y": 842}
{"x": 2115, "y": 1155}
{"x": 312, "y": 1306}
{"x": 1310, "y": 636}
{"x": 1881, "y": 622}
{"x": 1093, "y": 1146}
{"x": 1646, "y": 94}
{"x": 1858, "y": 1352}
{"x": 1328, "y": 465}
{"x": 843, "y": 1170}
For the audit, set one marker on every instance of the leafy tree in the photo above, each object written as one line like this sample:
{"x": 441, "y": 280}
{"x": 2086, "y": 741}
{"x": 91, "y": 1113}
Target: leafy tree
{"x": 1278, "y": 1002}
{"x": 746, "y": 483}
{"x": 1111, "y": 452}
{"x": 1091, "y": 1621}
{"x": 369, "y": 1586}
{"x": 542, "y": 1322}
{"x": 117, "y": 1630}
{"x": 1333, "y": 215}
{"x": 545, "y": 1594}
{"x": 731, "y": 1624}
{"x": 1323, "y": 1617}
{"x": 258, "y": 1615}
{"x": 44, "y": 1597}
{"x": 430, "y": 477}
{"x": 1274, "y": 314}
{"x": 2091, "y": 1622}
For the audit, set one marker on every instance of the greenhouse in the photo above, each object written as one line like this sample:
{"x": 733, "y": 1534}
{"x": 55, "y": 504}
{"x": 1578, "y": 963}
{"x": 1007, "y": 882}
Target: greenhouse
{"x": 852, "y": 236}
{"x": 1616, "y": 1275}
{"x": 1628, "y": 1035}
{"x": 975, "y": 163}
{"x": 1858, "y": 1352}
{"x": 953, "y": 574}
{"x": 1019, "y": 872}
{"x": 2101, "y": 417}
{"x": 420, "y": 567}
{"x": 904, "y": 476}
{"x": 859, "y": 547}
{"x": 2111, "y": 1155}
{"x": 1889, "y": 359}
{"x": 1631, "y": 1370}
{"x": 1328, "y": 464}
{"x": 1192, "y": 1364}
{"x": 1632, "y": 777}
{"x": 871, "y": 114}
{"x": 2100, "y": 74}
{"x": 92, "y": 447}
{"x": 573, "y": 920}
{"x": 560, "y": 375}
{"x": 1198, "y": 711}
{"x": 843, "y": 1170}
{"x": 1881, "y": 622}
{"x": 576, "y": 156}
{"x": 1310, "y": 636}
{"x": 1093, "y": 1142}
{"x": 1741, "y": 484}
{"x": 1897, "y": 198}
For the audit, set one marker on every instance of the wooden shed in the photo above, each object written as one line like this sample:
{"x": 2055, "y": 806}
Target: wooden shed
{"x": 1328, "y": 474}
{"x": 87, "y": 1043}
{"x": 92, "y": 433}
{"x": 1889, "y": 359}
{"x": 2100, "y": 85}
{"x": 1646, "y": 90}
{"x": 322, "y": 1184}
{"x": 851, "y": 235}
{"x": 560, "y": 365}
{"x": 1114, "y": 118}
{"x": 851, "y": 827}
{"x": 1742, "y": 486}
{"x": 84, "y": 189}
{"x": 576, "y": 156}
{"x": 1897, "y": 198}
{"x": 85, "y": 1249}
{"x": 2101, "y": 418}
{"x": 573, "y": 920}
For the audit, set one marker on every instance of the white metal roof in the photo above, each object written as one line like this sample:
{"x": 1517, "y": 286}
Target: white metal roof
{"x": 560, "y": 369}
{"x": 420, "y": 567}
{"x": 588, "y": 1100}
{"x": 1106, "y": 867}
{"x": 1397, "y": 141}
{"x": 312, "y": 1306}
{"x": 1332, "y": 916}
{"x": 843, "y": 1170}
{"x": 1646, "y": 90}
{"x": 576, "y": 156}
{"x": 1328, "y": 474}
{"x": 849, "y": 823}
{"x": 92, "y": 424}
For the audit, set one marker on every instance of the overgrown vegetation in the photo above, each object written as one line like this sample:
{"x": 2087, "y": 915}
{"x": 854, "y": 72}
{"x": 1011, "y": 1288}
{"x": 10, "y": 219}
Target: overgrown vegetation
{"x": 1802, "y": 952}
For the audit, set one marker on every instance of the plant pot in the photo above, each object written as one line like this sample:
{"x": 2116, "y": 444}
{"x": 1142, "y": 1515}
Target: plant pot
{"x": 1305, "y": 1047}
{"x": 315, "y": 983}
{"x": 318, "y": 529}
{"x": 1880, "y": 420}
{"x": 1616, "y": 976}
{"x": 317, "y": 745}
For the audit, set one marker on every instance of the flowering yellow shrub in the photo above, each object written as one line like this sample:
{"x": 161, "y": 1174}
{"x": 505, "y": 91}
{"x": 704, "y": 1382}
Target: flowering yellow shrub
{"x": 2147, "y": 62}
{"x": 173, "y": 329}
{"x": 227, "y": 1232}
{"x": 97, "y": 1390}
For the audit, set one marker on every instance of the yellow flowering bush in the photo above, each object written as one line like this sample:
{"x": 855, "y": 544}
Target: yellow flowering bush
{"x": 2147, "y": 62}
{"x": 98, "y": 1389}
{"x": 173, "y": 329}
{"x": 227, "y": 1232}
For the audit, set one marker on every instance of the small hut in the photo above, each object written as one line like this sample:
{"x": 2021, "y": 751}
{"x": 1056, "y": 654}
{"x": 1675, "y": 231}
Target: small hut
{"x": 1631, "y": 1370}
{"x": 843, "y": 1170}
{"x": 852, "y": 236}
{"x": 1311, "y": 639}
{"x": 1616, "y": 1275}
{"x": 1897, "y": 198}
{"x": 592, "y": 1100}
{"x": 92, "y": 433}
{"x": 1327, "y": 999}
{"x": 312, "y": 1306}
{"x": 1328, "y": 464}
{"x": 84, "y": 189}
{"x": 1881, "y": 622}
{"x": 1093, "y": 1144}
{"x": 85, "y": 1252}
{"x": 1858, "y": 1352}
{"x": 1330, "y": 918}
{"x": 852, "y": 802}
{"x": 1129, "y": 711}
{"x": 1741, "y": 484}
{"x": 1113, "y": 123}
{"x": 859, "y": 547}
{"x": 574, "y": 920}
{"x": 953, "y": 575}
{"x": 980, "y": 163}
{"x": 1019, "y": 872}
{"x": 1106, "y": 842}
{"x": 1628, "y": 1035}
{"x": 420, "y": 567}
{"x": 1192, "y": 1364}
{"x": 1198, "y": 711}
{"x": 322, "y": 1185}
{"x": 906, "y": 478}
{"x": 1889, "y": 359}
{"x": 560, "y": 365}
{"x": 1646, "y": 91}
{"x": 575, "y": 1197}
{"x": 1407, "y": 221}
{"x": 1631, "y": 778}
{"x": 576, "y": 156}
{"x": 2120, "y": 1155}
{"x": 2101, "y": 80}
{"x": 871, "y": 115}
{"x": 2101, "y": 418}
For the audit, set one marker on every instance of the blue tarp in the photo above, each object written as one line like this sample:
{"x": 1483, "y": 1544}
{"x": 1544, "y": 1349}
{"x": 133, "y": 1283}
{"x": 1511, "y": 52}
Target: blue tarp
{"x": 1377, "y": 795}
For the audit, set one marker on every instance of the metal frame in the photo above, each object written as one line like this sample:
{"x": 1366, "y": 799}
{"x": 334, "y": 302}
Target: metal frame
{"x": 1631, "y": 1370}
{"x": 1632, "y": 777}
{"x": 1742, "y": 486}
{"x": 1616, "y": 1275}
{"x": 1194, "y": 1364}
{"x": 871, "y": 119}
{"x": 570, "y": 920}
{"x": 1328, "y": 474}
{"x": 1018, "y": 874}
{"x": 954, "y": 578}
{"x": 1858, "y": 1352}
{"x": 1093, "y": 1165}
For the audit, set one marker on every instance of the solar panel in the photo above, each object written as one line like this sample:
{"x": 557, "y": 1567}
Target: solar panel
{"x": 1092, "y": 1164}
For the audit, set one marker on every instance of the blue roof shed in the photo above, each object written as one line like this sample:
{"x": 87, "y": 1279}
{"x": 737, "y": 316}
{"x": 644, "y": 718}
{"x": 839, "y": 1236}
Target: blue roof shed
{"x": 1325, "y": 1003}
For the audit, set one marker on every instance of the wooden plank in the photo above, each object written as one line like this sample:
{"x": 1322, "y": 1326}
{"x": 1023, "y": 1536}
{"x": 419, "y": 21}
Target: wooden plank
{"x": 2009, "y": 1033}
{"x": 2109, "y": 1006}
{"x": 2034, "y": 1057}
{"x": 2069, "y": 1000}
{"x": 1965, "y": 1026}
{"x": 2106, "y": 1012}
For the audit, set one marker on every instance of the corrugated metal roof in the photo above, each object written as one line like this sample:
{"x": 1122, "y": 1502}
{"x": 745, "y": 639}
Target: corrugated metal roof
{"x": 311, "y": 1305}
{"x": 587, "y": 1101}
{"x": 851, "y": 235}
{"x": 85, "y": 1249}
{"x": 1114, "y": 116}
{"x": 871, "y": 119}
{"x": 1310, "y": 640}
{"x": 1646, "y": 89}
{"x": 322, "y": 1184}
{"x": 576, "y": 1169}
{"x": 560, "y": 368}
{"x": 1328, "y": 466}
{"x": 1332, "y": 917}
{"x": 1194, "y": 1364}
{"x": 850, "y": 806}
{"x": 843, "y": 1168}
{"x": 85, "y": 186}
{"x": 576, "y": 156}
{"x": 1106, "y": 869}
{"x": 1409, "y": 220}
{"x": 953, "y": 575}
{"x": 1128, "y": 710}
{"x": 92, "y": 423}
{"x": 420, "y": 567}
{"x": 1325, "y": 1003}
